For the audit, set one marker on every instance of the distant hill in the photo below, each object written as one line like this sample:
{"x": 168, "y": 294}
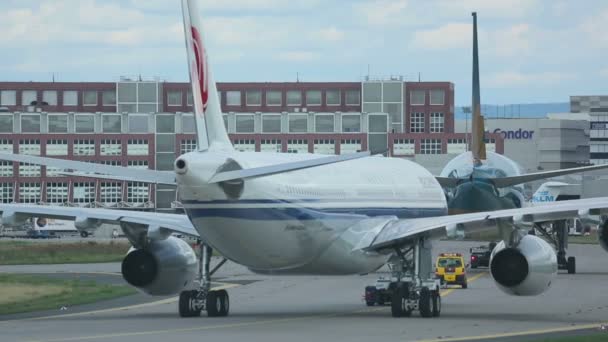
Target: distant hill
{"x": 524, "y": 110}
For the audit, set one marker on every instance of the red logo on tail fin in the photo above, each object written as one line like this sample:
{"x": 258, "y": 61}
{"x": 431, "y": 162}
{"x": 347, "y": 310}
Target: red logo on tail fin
{"x": 200, "y": 66}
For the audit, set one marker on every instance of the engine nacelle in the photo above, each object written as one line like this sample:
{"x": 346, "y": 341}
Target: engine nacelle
{"x": 602, "y": 234}
{"x": 526, "y": 270}
{"x": 164, "y": 267}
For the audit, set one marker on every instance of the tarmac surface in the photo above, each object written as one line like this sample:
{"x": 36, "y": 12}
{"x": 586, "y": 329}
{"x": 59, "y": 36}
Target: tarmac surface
{"x": 310, "y": 308}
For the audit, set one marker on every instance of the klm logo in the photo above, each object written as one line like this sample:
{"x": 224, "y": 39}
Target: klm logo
{"x": 543, "y": 196}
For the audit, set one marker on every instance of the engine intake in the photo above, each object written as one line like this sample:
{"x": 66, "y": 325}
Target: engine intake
{"x": 525, "y": 270}
{"x": 164, "y": 267}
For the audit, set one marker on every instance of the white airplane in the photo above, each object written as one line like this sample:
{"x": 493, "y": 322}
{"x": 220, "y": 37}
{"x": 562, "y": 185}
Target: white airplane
{"x": 547, "y": 192}
{"x": 300, "y": 214}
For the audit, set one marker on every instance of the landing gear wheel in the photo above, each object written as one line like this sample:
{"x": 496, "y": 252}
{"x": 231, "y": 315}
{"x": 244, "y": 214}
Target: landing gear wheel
{"x": 425, "y": 303}
{"x": 399, "y": 307}
{"x": 218, "y": 303}
{"x": 187, "y": 304}
{"x": 465, "y": 285}
{"x": 84, "y": 233}
{"x": 571, "y": 265}
{"x": 436, "y": 303}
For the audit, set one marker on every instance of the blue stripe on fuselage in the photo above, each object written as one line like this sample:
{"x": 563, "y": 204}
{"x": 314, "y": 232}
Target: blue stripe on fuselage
{"x": 302, "y": 213}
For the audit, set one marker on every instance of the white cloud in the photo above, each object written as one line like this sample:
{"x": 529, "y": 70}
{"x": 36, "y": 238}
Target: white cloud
{"x": 487, "y": 8}
{"x": 507, "y": 79}
{"x": 329, "y": 34}
{"x": 513, "y": 40}
{"x": 448, "y": 36}
{"x": 382, "y": 12}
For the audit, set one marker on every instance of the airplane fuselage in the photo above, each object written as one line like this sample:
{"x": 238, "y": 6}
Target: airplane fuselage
{"x": 307, "y": 221}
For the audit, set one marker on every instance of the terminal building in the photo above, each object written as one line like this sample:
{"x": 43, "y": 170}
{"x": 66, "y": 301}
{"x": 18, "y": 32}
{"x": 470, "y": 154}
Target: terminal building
{"x": 147, "y": 124}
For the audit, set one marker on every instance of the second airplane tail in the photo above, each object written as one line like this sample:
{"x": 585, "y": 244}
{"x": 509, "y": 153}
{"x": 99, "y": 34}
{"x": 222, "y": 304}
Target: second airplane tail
{"x": 210, "y": 129}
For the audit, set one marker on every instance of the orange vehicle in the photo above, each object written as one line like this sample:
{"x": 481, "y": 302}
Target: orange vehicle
{"x": 451, "y": 269}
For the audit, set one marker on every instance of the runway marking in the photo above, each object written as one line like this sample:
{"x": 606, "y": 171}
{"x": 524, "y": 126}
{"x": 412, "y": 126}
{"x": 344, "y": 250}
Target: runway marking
{"x": 121, "y": 308}
{"x": 519, "y": 333}
{"x": 470, "y": 280}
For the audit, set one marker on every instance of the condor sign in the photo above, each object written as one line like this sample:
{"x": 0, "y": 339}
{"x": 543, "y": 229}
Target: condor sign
{"x": 519, "y": 134}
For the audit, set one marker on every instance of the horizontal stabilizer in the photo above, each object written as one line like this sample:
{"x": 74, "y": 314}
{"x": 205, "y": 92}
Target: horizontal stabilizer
{"x": 530, "y": 177}
{"x": 286, "y": 167}
{"x": 112, "y": 172}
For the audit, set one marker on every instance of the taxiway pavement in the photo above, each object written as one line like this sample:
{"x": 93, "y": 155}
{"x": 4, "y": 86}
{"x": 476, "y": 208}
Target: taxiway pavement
{"x": 310, "y": 308}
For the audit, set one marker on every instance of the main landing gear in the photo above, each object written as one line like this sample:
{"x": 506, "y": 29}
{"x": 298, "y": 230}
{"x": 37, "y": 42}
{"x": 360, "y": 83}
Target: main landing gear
{"x": 413, "y": 284}
{"x": 215, "y": 302}
{"x": 558, "y": 236}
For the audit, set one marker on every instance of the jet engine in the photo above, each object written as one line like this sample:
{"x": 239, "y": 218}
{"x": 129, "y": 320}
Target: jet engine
{"x": 602, "y": 234}
{"x": 525, "y": 270}
{"x": 163, "y": 267}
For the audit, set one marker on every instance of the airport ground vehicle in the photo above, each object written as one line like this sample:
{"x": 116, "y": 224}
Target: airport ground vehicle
{"x": 480, "y": 256}
{"x": 450, "y": 269}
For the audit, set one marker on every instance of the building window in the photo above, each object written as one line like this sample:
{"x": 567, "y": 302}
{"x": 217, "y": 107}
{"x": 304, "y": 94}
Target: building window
{"x": 111, "y": 123}
{"x": 417, "y": 123}
{"x": 273, "y": 98}
{"x": 174, "y": 98}
{"x": 430, "y": 146}
{"x": 29, "y": 170}
{"x": 6, "y": 192}
{"x": 6, "y": 169}
{"x": 324, "y": 123}
{"x": 417, "y": 97}
{"x": 271, "y": 123}
{"x": 108, "y": 98}
{"x": 8, "y": 97}
{"x": 188, "y": 123}
{"x": 437, "y": 97}
{"x": 84, "y": 192}
{"x": 244, "y": 145}
{"x": 70, "y": 98}
{"x": 29, "y": 147}
{"x": 403, "y": 147}
{"x": 138, "y": 123}
{"x": 28, "y": 97}
{"x": 57, "y": 192}
{"x": 137, "y": 164}
{"x": 89, "y": 98}
{"x": 298, "y": 123}
{"x": 297, "y": 146}
{"x": 54, "y": 172}
{"x": 245, "y": 123}
{"x": 313, "y": 98}
{"x": 57, "y": 123}
{"x": 111, "y": 192}
{"x": 351, "y": 123}
{"x": 332, "y": 98}
{"x": 350, "y": 146}
{"x": 84, "y": 147}
{"x": 137, "y": 192}
{"x": 353, "y": 97}
{"x": 30, "y": 123}
{"x": 233, "y": 98}
{"x": 294, "y": 98}
{"x": 187, "y": 145}
{"x": 457, "y": 146}
{"x": 271, "y": 145}
{"x": 437, "y": 123}
{"x": 57, "y": 147}
{"x": 84, "y": 123}
{"x": 110, "y": 147}
{"x": 165, "y": 124}
{"x": 253, "y": 98}
{"x": 6, "y": 123}
{"x": 324, "y": 146}
{"x": 49, "y": 97}
{"x": 6, "y": 145}
{"x": 137, "y": 147}
{"x": 29, "y": 192}
{"x": 190, "y": 99}
{"x": 166, "y": 143}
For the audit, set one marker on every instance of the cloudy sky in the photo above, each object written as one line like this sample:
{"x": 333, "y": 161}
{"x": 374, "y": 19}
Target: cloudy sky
{"x": 531, "y": 50}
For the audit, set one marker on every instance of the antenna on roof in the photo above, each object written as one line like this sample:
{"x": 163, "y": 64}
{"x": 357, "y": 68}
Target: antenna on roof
{"x": 53, "y": 77}
{"x": 297, "y": 77}
{"x": 419, "y": 76}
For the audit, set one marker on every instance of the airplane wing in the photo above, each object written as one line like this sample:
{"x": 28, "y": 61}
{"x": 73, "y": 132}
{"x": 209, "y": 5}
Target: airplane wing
{"x": 97, "y": 170}
{"x": 515, "y": 180}
{"x": 137, "y": 225}
{"x": 399, "y": 232}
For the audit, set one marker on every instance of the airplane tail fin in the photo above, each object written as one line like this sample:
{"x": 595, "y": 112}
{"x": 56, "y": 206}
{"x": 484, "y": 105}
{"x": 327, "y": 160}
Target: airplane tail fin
{"x": 478, "y": 145}
{"x": 210, "y": 129}
{"x": 548, "y": 192}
